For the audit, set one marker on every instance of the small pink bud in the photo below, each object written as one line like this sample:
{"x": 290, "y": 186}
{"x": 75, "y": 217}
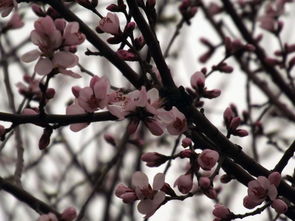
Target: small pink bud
{"x": 154, "y": 159}
{"x": 45, "y": 138}
{"x": 275, "y": 178}
{"x": 69, "y": 214}
{"x": 186, "y": 142}
{"x": 241, "y": 133}
{"x": 186, "y": 154}
{"x": 130, "y": 27}
{"x": 207, "y": 159}
{"x": 204, "y": 182}
{"x": 235, "y": 122}
{"x": 279, "y": 205}
{"x": 50, "y": 93}
{"x": 198, "y": 80}
{"x": 184, "y": 183}
{"x": 221, "y": 211}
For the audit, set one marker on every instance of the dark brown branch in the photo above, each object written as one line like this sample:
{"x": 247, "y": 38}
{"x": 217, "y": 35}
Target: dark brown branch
{"x": 152, "y": 43}
{"x": 36, "y": 204}
{"x": 286, "y": 157}
{"x": 59, "y": 119}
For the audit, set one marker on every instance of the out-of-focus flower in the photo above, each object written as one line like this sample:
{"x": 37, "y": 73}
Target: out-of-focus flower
{"x": 69, "y": 214}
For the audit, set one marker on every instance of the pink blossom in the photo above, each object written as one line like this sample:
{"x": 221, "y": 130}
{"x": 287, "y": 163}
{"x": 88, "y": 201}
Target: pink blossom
{"x": 46, "y": 36}
{"x": 221, "y": 211}
{"x": 279, "y": 205}
{"x": 48, "y": 217}
{"x": 260, "y": 189}
{"x": 207, "y": 159}
{"x": 184, "y": 183}
{"x": 6, "y": 7}
{"x": 71, "y": 35}
{"x": 52, "y": 38}
{"x": 151, "y": 198}
{"x": 110, "y": 24}
{"x": 69, "y": 214}
{"x": 94, "y": 97}
{"x": 140, "y": 106}
{"x": 174, "y": 121}
{"x": 75, "y": 109}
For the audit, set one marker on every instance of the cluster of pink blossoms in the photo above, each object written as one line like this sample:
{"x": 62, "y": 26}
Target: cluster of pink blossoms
{"x": 57, "y": 41}
{"x": 265, "y": 188}
{"x": 138, "y": 105}
{"x": 152, "y": 197}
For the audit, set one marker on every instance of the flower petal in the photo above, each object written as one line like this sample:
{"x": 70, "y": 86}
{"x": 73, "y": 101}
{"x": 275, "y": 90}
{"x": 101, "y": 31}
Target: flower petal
{"x": 43, "y": 66}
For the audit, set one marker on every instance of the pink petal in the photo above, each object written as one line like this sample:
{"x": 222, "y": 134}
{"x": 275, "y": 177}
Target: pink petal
{"x": 44, "y": 66}
{"x": 31, "y": 56}
{"x": 69, "y": 73}
{"x": 139, "y": 179}
{"x": 159, "y": 181}
{"x": 65, "y": 59}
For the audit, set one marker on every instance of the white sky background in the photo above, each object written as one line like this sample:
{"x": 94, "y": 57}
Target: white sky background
{"x": 189, "y": 48}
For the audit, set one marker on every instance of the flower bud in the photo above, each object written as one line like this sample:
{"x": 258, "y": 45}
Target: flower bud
{"x": 279, "y": 205}
{"x": 186, "y": 142}
{"x": 69, "y": 214}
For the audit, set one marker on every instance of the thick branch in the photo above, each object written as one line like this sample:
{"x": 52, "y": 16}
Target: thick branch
{"x": 36, "y": 204}
{"x": 59, "y": 119}
{"x": 286, "y": 157}
{"x": 152, "y": 43}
